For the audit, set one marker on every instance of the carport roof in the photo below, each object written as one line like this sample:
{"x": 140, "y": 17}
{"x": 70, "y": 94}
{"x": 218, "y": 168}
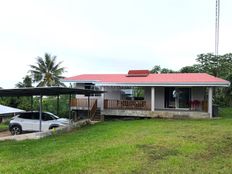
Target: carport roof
{"x": 45, "y": 91}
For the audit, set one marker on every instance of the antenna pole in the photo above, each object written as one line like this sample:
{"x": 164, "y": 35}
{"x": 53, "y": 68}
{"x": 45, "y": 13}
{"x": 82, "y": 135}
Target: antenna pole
{"x": 217, "y": 27}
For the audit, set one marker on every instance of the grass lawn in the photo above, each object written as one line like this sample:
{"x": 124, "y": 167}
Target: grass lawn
{"x": 140, "y": 146}
{"x": 3, "y": 127}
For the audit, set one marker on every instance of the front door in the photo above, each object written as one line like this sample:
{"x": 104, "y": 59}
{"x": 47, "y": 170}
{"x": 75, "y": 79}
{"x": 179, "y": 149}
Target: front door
{"x": 177, "y": 97}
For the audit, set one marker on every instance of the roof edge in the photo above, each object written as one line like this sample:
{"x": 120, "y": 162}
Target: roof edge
{"x": 218, "y": 84}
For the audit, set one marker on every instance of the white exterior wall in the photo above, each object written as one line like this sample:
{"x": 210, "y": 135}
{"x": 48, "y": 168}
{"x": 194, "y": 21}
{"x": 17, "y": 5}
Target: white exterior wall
{"x": 82, "y": 86}
{"x": 147, "y": 95}
{"x": 112, "y": 93}
{"x": 159, "y": 98}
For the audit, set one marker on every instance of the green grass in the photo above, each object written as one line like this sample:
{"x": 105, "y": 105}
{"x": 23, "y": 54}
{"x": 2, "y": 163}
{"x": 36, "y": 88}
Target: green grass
{"x": 3, "y": 127}
{"x": 225, "y": 112}
{"x": 140, "y": 146}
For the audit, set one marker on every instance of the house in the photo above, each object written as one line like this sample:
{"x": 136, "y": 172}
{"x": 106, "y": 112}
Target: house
{"x": 140, "y": 93}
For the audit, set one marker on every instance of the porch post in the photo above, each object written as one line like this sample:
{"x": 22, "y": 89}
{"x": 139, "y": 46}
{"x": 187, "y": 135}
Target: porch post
{"x": 152, "y": 98}
{"x": 58, "y": 105}
{"x": 102, "y": 98}
{"x": 88, "y": 106}
{"x": 210, "y": 102}
{"x": 40, "y": 112}
{"x": 69, "y": 109}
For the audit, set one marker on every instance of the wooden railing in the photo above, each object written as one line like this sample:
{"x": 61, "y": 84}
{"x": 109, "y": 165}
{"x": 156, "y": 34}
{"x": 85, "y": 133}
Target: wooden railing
{"x": 126, "y": 104}
{"x": 197, "y": 105}
{"x": 83, "y": 103}
{"x": 205, "y": 106}
{"x": 93, "y": 110}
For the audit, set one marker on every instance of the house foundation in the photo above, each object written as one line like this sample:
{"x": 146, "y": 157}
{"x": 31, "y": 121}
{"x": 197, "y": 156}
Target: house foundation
{"x": 156, "y": 114}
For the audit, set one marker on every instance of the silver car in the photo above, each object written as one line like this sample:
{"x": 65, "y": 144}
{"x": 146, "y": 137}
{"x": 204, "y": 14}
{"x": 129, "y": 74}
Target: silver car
{"x": 29, "y": 121}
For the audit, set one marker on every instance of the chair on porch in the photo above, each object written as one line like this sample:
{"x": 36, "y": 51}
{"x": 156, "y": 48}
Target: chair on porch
{"x": 195, "y": 105}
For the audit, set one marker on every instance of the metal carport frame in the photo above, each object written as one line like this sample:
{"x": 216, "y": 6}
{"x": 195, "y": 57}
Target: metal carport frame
{"x": 46, "y": 91}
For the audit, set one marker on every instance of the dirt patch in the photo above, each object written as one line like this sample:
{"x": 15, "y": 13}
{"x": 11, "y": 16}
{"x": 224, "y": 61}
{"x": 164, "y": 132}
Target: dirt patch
{"x": 5, "y": 133}
{"x": 188, "y": 137}
{"x": 221, "y": 147}
{"x": 155, "y": 152}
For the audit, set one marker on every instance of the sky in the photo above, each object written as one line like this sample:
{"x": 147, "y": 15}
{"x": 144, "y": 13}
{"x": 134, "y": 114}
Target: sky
{"x": 108, "y": 36}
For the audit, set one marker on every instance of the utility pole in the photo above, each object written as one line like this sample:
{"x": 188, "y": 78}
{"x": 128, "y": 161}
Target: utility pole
{"x": 217, "y": 27}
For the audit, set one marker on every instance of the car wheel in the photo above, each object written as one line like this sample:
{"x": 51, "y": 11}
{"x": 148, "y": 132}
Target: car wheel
{"x": 53, "y": 127}
{"x": 16, "y": 130}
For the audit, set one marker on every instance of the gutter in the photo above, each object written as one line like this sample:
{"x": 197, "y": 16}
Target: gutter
{"x": 183, "y": 84}
{"x": 166, "y": 84}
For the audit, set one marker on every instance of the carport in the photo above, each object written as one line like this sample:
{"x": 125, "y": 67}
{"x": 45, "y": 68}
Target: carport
{"x": 46, "y": 91}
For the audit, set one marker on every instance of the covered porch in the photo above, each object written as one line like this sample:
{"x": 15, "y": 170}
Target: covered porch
{"x": 159, "y": 98}
{"x": 151, "y": 101}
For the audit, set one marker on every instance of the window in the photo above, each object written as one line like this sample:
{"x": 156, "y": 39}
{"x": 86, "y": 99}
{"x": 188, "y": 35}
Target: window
{"x": 91, "y": 86}
{"x": 47, "y": 117}
{"x": 26, "y": 115}
{"x": 177, "y": 97}
{"x": 36, "y": 115}
{"x": 136, "y": 93}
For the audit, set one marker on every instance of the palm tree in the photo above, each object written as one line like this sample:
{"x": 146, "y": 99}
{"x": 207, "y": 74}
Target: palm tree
{"x": 27, "y": 82}
{"x": 47, "y": 72}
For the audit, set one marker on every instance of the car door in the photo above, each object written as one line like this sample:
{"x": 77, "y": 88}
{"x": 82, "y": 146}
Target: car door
{"x": 25, "y": 120}
{"x": 35, "y": 121}
{"x": 47, "y": 121}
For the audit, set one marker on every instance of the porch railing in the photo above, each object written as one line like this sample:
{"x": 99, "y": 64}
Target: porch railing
{"x": 82, "y": 103}
{"x": 126, "y": 104}
{"x": 93, "y": 110}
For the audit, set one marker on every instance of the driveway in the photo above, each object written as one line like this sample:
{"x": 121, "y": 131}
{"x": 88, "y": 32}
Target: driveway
{"x": 5, "y": 133}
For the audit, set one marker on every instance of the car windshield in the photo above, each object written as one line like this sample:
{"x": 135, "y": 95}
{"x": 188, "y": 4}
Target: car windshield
{"x": 52, "y": 115}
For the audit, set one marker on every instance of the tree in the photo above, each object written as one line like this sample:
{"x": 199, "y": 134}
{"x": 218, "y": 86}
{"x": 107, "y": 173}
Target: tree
{"x": 157, "y": 69}
{"x": 209, "y": 63}
{"x": 218, "y": 66}
{"x": 47, "y": 72}
{"x": 166, "y": 70}
{"x": 23, "y": 102}
{"x": 27, "y": 82}
{"x": 50, "y": 105}
{"x": 196, "y": 68}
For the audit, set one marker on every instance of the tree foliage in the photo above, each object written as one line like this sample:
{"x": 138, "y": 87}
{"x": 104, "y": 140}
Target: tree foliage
{"x": 27, "y": 82}
{"x": 191, "y": 69}
{"x": 50, "y": 105}
{"x": 47, "y": 72}
{"x": 157, "y": 69}
{"x": 218, "y": 66}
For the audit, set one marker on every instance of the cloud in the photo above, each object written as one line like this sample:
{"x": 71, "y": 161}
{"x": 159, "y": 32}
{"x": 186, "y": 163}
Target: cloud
{"x": 107, "y": 37}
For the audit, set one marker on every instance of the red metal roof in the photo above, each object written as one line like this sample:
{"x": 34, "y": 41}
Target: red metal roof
{"x": 169, "y": 78}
